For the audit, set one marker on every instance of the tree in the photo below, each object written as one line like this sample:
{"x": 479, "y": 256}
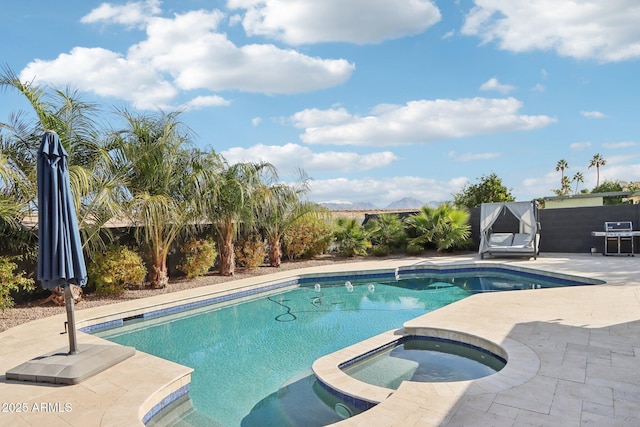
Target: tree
{"x": 278, "y": 206}
{"x": 561, "y": 166}
{"x": 445, "y": 227}
{"x": 488, "y": 190}
{"x": 73, "y": 120}
{"x": 610, "y": 187}
{"x": 596, "y": 162}
{"x": 161, "y": 176}
{"x": 15, "y": 198}
{"x": 565, "y": 186}
{"x": 230, "y": 200}
{"x": 577, "y": 178}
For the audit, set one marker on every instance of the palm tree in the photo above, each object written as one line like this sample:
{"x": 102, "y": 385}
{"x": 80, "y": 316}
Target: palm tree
{"x": 596, "y": 162}
{"x": 577, "y": 178}
{"x": 230, "y": 200}
{"x": 74, "y": 121}
{"x": 278, "y": 207}
{"x": 161, "y": 176}
{"x": 561, "y": 166}
{"x": 351, "y": 237}
{"x": 387, "y": 232}
{"x": 15, "y": 198}
{"x": 565, "y": 188}
{"x": 444, "y": 226}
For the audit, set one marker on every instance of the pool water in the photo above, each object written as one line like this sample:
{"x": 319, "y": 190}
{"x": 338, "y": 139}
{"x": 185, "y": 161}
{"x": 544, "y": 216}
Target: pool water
{"x": 423, "y": 359}
{"x": 251, "y": 360}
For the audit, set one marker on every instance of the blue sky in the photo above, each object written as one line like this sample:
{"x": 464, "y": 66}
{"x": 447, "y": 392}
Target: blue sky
{"x": 376, "y": 100}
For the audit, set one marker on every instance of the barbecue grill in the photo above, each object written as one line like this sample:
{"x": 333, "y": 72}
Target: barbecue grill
{"x": 617, "y": 232}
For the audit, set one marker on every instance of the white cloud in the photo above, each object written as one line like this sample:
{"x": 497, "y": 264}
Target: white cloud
{"x": 200, "y": 102}
{"x": 627, "y": 172}
{"x": 131, "y": 14}
{"x": 448, "y": 34}
{"x": 105, "y": 73}
{"x": 416, "y": 122}
{"x": 494, "y": 84}
{"x": 577, "y": 146}
{"x": 593, "y": 114}
{"x": 469, "y": 157}
{"x": 619, "y": 160}
{"x": 315, "y": 117}
{"x": 541, "y": 186}
{"x": 289, "y": 157}
{"x": 621, "y": 144}
{"x": 256, "y": 121}
{"x": 188, "y": 47}
{"x": 606, "y": 31}
{"x": 538, "y": 87}
{"x": 183, "y": 53}
{"x": 299, "y": 22}
{"x": 381, "y": 192}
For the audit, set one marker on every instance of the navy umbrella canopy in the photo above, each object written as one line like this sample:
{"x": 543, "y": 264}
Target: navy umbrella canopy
{"x": 60, "y": 258}
{"x": 61, "y": 263}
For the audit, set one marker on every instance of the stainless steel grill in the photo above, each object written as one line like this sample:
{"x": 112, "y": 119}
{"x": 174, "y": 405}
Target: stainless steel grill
{"x": 618, "y": 233}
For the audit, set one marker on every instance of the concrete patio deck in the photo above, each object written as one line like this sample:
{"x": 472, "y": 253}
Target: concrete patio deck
{"x": 582, "y": 345}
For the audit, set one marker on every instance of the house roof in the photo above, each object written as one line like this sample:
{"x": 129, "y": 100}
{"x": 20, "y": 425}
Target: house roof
{"x": 594, "y": 195}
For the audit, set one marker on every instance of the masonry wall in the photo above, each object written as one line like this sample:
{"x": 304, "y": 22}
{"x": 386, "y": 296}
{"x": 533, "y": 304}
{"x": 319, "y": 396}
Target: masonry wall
{"x": 569, "y": 230}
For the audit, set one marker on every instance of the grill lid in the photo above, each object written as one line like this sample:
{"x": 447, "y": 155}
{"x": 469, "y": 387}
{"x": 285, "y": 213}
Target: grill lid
{"x": 618, "y": 226}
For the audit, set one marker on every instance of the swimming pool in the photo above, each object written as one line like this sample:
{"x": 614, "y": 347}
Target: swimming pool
{"x": 249, "y": 359}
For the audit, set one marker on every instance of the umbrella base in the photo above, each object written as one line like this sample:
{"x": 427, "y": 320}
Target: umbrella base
{"x": 60, "y": 367}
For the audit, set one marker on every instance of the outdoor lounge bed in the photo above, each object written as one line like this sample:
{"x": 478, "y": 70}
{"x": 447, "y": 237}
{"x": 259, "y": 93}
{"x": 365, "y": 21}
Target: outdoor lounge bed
{"x": 524, "y": 242}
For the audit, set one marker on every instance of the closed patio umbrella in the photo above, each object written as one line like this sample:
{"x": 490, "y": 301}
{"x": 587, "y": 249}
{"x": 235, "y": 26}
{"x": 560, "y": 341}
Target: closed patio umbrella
{"x": 61, "y": 263}
{"x": 60, "y": 258}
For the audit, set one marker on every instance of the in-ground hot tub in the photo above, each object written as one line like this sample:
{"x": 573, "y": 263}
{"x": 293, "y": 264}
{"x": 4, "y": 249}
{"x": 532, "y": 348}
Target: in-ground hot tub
{"x": 424, "y": 359}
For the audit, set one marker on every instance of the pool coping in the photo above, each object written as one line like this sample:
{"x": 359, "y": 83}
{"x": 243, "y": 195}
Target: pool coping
{"x": 133, "y": 402}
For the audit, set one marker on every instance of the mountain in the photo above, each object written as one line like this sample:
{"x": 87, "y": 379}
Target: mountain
{"x": 403, "y": 204}
{"x": 349, "y": 206}
{"x": 406, "y": 203}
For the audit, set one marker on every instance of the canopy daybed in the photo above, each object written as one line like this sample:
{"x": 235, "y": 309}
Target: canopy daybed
{"x": 523, "y": 242}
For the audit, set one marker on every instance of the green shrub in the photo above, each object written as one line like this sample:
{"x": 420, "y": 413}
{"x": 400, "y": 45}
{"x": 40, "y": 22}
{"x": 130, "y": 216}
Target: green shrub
{"x": 12, "y": 281}
{"x": 115, "y": 269}
{"x": 381, "y": 250}
{"x": 387, "y": 233}
{"x": 199, "y": 256}
{"x": 413, "y": 249}
{"x": 445, "y": 227}
{"x": 351, "y": 237}
{"x": 309, "y": 236}
{"x": 251, "y": 253}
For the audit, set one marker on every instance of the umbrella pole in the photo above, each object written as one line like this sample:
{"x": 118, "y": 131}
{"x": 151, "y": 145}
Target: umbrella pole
{"x": 71, "y": 319}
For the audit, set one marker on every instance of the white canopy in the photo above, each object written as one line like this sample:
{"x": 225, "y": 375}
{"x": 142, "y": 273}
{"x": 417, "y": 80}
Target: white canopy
{"x": 525, "y": 212}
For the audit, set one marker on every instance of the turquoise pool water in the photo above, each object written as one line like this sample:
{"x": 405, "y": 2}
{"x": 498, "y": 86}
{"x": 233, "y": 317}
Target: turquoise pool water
{"x": 423, "y": 359}
{"x": 251, "y": 360}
